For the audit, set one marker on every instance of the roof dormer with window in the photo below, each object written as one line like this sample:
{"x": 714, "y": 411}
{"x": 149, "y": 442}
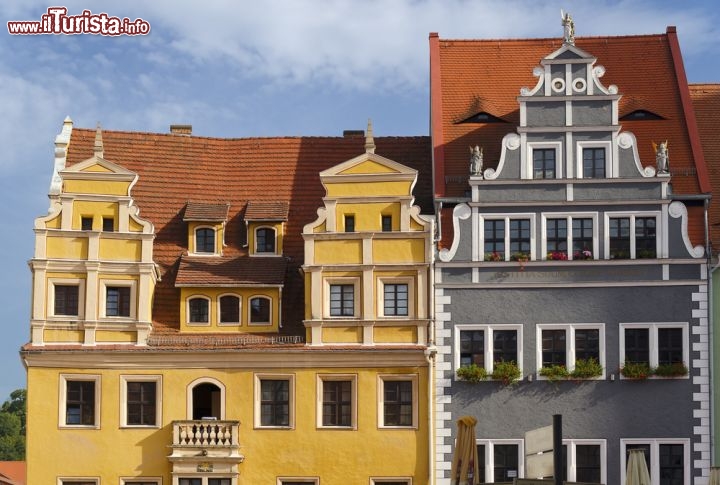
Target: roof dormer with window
{"x": 265, "y": 223}
{"x": 206, "y": 228}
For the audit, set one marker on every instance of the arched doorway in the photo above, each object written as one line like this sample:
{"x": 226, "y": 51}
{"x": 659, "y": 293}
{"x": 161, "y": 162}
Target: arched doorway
{"x": 206, "y": 401}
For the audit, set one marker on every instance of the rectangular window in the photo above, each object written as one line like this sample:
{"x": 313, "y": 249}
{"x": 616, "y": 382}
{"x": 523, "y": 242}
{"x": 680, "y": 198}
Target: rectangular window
{"x": 519, "y": 237}
{"x": 485, "y": 345}
{"x": 495, "y": 240}
{"x": 298, "y": 481}
{"x": 190, "y": 481}
{"x": 141, "y": 403}
{"x": 556, "y": 237}
{"x": 395, "y": 300}
{"x": 67, "y": 299}
{"x": 342, "y": 300}
{"x": 79, "y": 400}
{"x": 668, "y": 461}
{"x": 544, "y": 163}
{"x": 78, "y": 482}
{"x": 336, "y": 400}
{"x": 655, "y": 345}
{"x": 577, "y": 347}
{"x": 275, "y": 402}
{"x": 593, "y": 163}
{"x": 86, "y": 223}
{"x": 398, "y": 401}
{"x": 229, "y": 309}
{"x": 108, "y": 224}
{"x": 570, "y": 236}
{"x": 117, "y": 301}
{"x": 631, "y": 236}
{"x": 582, "y": 238}
{"x": 499, "y": 460}
{"x": 387, "y": 223}
{"x": 199, "y": 310}
{"x": 349, "y": 223}
{"x": 584, "y": 461}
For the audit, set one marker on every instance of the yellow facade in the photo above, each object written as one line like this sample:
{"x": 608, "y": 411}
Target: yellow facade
{"x": 245, "y": 295}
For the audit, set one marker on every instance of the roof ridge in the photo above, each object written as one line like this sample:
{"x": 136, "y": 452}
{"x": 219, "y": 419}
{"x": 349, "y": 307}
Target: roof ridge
{"x": 554, "y": 39}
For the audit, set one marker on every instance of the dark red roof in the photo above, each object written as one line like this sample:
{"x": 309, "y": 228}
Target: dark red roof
{"x": 197, "y": 211}
{"x": 230, "y": 271}
{"x": 267, "y": 211}
{"x": 273, "y": 172}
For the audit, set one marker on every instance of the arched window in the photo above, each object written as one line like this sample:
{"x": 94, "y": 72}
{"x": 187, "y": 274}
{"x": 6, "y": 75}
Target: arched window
{"x": 260, "y": 309}
{"x": 205, "y": 240}
{"x": 229, "y": 309}
{"x": 206, "y": 399}
{"x": 198, "y": 310}
{"x": 265, "y": 240}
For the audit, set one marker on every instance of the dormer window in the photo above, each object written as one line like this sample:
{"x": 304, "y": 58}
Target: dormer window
{"x": 204, "y": 240}
{"x": 198, "y": 310}
{"x": 260, "y": 310}
{"x": 265, "y": 240}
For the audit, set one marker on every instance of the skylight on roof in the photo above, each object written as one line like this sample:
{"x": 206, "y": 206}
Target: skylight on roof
{"x": 641, "y": 114}
{"x": 483, "y": 117}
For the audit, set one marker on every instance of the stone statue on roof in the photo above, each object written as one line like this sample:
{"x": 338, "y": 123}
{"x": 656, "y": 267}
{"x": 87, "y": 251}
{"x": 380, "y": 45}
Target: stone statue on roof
{"x": 476, "y": 161}
{"x": 568, "y": 27}
{"x": 662, "y": 158}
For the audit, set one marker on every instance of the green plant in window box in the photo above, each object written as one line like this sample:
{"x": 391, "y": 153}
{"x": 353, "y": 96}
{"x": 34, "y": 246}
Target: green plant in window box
{"x": 586, "y": 369}
{"x": 675, "y": 369}
{"x": 645, "y": 254}
{"x": 554, "y": 372}
{"x": 636, "y": 370}
{"x": 507, "y": 372}
{"x": 522, "y": 257}
{"x": 619, "y": 254}
{"x": 472, "y": 373}
{"x": 494, "y": 256}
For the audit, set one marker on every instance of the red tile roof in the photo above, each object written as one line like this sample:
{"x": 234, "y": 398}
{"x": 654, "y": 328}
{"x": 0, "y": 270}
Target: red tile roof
{"x": 174, "y": 170}
{"x": 706, "y": 101}
{"x": 197, "y": 211}
{"x": 12, "y": 472}
{"x": 468, "y": 76}
{"x": 267, "y": 211}
{"x": 233, "y": 271}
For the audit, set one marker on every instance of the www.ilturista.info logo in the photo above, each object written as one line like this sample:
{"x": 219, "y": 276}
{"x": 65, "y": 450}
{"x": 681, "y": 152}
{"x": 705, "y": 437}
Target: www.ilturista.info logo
{"x": 57, "y": 22}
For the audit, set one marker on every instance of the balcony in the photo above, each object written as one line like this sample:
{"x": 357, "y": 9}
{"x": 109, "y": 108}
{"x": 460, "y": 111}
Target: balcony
{"x": 206, "y": 441}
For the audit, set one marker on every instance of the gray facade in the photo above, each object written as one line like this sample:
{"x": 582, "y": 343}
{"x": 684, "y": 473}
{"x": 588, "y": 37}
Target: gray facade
{"x": 582, "y": 253}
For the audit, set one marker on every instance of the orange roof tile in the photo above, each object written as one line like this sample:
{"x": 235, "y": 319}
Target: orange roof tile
{"x": 706, "y": 102}
{"x": 267, "y": 211}
{"x": 12, "y": 472}
{"x": 647, "y": 70}
{"x": 231, "y": 271}
{"x": 198, "y": 211}
{"x": 174, "y": 170}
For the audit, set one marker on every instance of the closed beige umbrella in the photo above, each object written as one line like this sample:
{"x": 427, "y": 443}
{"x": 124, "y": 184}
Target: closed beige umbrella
{"x": 714, "y": 476}
{"x": 637, "y": 471}
{"x": 465, "y": 460}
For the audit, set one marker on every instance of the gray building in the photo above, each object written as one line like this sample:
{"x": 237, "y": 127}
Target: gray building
{"x": 570, "y": 256}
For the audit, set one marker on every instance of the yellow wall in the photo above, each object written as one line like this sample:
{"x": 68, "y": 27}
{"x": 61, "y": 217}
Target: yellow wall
{"x": 342, "y": 335}
{"x": 120, "y": 250}
{"x": 338, "y": 252}
{"x": 62, "y": 247}
{"x": 219, "y": 237}
{"x": 96, "y": 210}
{"x": 368, "y": 189}
{"x": 398, "y": 250}
{"x": 395, "y": 335}
{"x": 368, "y": 217}
{"x": 367, "y": 167}
{"x": 102, "y": 187}
{"x": 245, "y": 294}
{"x": 278, "y": 226}
{"x": 338, "y": 457}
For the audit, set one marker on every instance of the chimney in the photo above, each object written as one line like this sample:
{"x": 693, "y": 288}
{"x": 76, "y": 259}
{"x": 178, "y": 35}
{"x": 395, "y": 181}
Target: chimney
{"x": 185, "y": 130}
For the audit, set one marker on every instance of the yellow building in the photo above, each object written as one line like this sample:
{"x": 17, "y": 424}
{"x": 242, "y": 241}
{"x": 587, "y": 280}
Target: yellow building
{"x": 191, "y": 325}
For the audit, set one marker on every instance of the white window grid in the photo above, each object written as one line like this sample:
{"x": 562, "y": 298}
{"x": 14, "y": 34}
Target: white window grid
{"x": 507, "y": 218}
{"x": 632, "y": 216}
{"x": 258, "y": 399}
{"x": 321, "y": 379}
{"x": 188, "y": 314}
{"x": 410, "y": 282}
{"x": 579, "y": 156}
{"x": 124, "y": 380}
{"x": 195, "y": 251}
{"x": 270, "y": 310}
{"x": 654, "y": 466}
{"x": 355, "y": 281}
{"x": 569, "y": 329}
{"x": 488, "y": 329}
{"x": 382, "y": 379}
{"x": 104, "y": 284}
{"x": 219, "y": 311}
{"x": 62, "y": 408}
{"x": 653, "y": 341}
{"x": 569, "y": 218}
{"x": 544, "y": 145}
{"x": 50, "y": 305}
{"x": 489, "y": 445}
{"x": 572, "y": 457}
{"x": 275, "y": 241}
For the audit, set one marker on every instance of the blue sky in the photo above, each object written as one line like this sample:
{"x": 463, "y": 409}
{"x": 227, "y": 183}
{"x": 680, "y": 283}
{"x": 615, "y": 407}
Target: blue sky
{"x": 241, "y": 69}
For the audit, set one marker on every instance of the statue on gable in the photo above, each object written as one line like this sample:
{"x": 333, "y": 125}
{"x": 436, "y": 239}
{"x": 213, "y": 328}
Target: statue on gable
{"x": 476, "y": 161}
{"x": 568, "y": 28}
{"x": 662, "y": 158}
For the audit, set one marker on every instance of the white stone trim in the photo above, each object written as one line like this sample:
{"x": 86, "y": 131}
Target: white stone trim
{"x": 321, "y": 379}
{"x": 570, "y": 329}
{"x": 62, "y": 399}
{"x": 381, "y": 380}
{"x": 460, "y": 212}
{"x": 654, "y": 456}
{"x": 127, "y": 378}
{"x": 258, "y": 378}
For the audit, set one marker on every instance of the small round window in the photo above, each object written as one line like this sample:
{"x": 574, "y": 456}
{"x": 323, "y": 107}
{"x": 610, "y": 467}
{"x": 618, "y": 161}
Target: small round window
{"x": 579, "y": 85}
{"x": 558, "y": 85}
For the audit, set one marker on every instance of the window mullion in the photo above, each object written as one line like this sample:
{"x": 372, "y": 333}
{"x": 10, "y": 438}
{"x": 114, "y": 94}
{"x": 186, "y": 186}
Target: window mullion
{"x": 507, "y": 238}
{"x": 653, "y": 344}
{"x": 633, "y": 254}
{"x": 489, "y": 350}
{"x": 568, "y": 236}
{"x": 570, "y": 348}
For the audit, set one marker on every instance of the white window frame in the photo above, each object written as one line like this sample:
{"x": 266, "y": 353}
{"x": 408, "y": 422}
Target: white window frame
{"x": 219, "y": 310}
{"x": 381, "y": 282}
{"x": 309, "y": 480}
{"x": 579, "y": 157}
{"x": 571, "y": 457}
{"x": 632, "y": 215}
{"x": 134, "y": 480}
{"x": 488, "y": 329}
{"x": 653, "y": 351}
{"x": 195, "y": 251}
{"x": 204, "y": 380}
{"x": 64, "y": 480}
{"x": 104, "y": 284}
{"x": 351, "y": 280}
{"x": 124, "y": 380}
{"x": 569, "y": 217}
{"x": 259, "y": 377}
{"x": 507, "y": 218}
{"x": 386, "y": 480}
{"x": 249, "y": 311}
{"x": 80, "y": 283}
{"x": 321, "y": 379}
{"x": 544, "y": 145}
{"x": 255, "y": 241}
{"x": 62, "y": 401}
{"x": 204, "y": 479}
{"x": 381, "y": 380}
{"x": 187, "y": 310}
{"x": 490, "y": 456}
{"x": 654, "y": 467}
{"x": 570, "y": 358}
